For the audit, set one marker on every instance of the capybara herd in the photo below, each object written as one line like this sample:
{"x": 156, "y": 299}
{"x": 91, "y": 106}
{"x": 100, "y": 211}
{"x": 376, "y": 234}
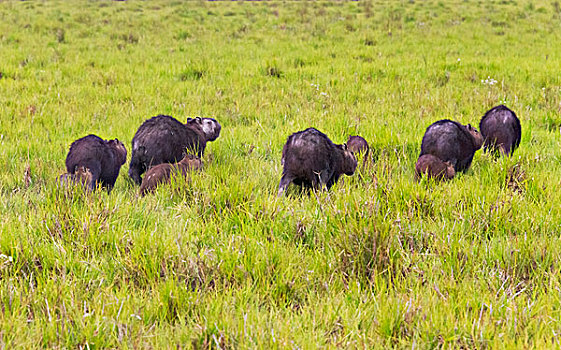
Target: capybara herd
{"x": 452, "y": 142}
{"x": 163, "y": 139}
{"x": 163, "y": 146}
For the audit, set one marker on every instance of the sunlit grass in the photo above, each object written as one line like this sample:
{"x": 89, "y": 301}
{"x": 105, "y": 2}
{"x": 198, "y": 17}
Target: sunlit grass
{"x": 218, "y": 260}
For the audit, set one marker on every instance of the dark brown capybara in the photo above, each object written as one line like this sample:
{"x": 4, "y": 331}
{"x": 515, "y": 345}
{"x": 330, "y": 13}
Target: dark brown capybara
{"x": 501, "y": 131}
{"x": 311, "y": 160}
{"x": 162, "y": 173}
{"x": 434, "y": 168}
{"x": 81, "y": 176}
{"x": 103, "y": 158}
{"x": 164, "y": 139}
{"x": 452, "y": 142}
{"x": 357, "y": 145}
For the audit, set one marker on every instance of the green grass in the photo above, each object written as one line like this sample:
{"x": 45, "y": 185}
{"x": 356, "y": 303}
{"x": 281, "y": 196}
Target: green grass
{"x": 218, "y": 261}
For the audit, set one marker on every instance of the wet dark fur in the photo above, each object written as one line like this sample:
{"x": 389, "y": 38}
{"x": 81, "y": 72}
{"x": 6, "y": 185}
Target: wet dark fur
{"x": 433, "y": 167}
{"x": 103, "y": 159}
{"x": 162, "y": 173}
{"x": 163, "y": 139}
{"x": 501, "y": 130}
{"x": 311, "y": 160}
{"x": 452, "y": 142}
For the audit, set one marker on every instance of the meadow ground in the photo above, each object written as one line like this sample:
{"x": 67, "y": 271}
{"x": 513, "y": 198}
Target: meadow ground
{"x": 218, "y": 260}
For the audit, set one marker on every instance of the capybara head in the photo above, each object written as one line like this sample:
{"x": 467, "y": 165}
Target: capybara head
{"x": 191, "y": 162}
{"x": 477, "y": 137}
{"x": 348, "y": 160}
{"x": 210, "y": 127}
{"x": 357, "y": 144}
{"x": 120, "y": 149}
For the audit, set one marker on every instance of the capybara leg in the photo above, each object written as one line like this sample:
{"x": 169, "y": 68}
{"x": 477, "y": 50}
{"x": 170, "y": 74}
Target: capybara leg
{"x": 505, "y": 149}
{"x": 134, "y": 172}
{"x": 317, "y": 184}
{"x": 284, "y": 182}
{"x": 324, "y": 178}
{"x": 96, "y": 172}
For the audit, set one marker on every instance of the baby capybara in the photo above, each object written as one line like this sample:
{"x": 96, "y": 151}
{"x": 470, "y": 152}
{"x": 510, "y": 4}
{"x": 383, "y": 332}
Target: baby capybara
{"x": 311, "y": 160}
{"x": 103, "y": 159}
{"x": 501, "y": 130}
{"x": 81, "y": 176}
{"x": 162, "y": 173}
{"x": 357, "y": 144}
{"x": 163, "y": 139}
{"x": 433, "y": 167}
{"x": 452, "y": 142}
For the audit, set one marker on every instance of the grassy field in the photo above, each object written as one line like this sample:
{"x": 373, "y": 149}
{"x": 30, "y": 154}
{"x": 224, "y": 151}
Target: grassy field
{"x": 218, "y": 261}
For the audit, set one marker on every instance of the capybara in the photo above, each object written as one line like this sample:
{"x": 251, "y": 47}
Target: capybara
{"x": 162, "y": 173}
{"x": 357, "y": 144}
{"x": 501, "y": 130}
{"x": 82, "y": 176}
{"x": 433, "y": 167}
{"x": 452, "y": 142}
{"x": 103, "y": 159}
{"x": 311, "y": 160}
{"x": 164, "y": 139}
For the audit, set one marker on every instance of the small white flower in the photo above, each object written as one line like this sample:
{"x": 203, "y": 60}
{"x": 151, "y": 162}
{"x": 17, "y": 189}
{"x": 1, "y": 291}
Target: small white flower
{"x": 4, "y": 256}
{"x": 489, "y": 81}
